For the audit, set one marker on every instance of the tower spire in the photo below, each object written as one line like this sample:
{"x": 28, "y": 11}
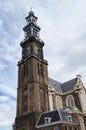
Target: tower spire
{"x": 31, "y": 29}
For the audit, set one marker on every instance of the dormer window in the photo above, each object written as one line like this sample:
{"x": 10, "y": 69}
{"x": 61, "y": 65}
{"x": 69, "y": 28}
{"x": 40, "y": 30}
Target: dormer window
{"x": 47, "y": 120}
{"x": 69, "y": 118}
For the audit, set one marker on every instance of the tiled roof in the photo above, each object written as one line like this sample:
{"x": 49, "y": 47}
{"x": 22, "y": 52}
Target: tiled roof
{"x": 65, "y": 115}
{"x": 55, "y": 84}
{"x": 63, "y": 87}
{"x": 55, "y": 116}
{"x": 69, "y": 85}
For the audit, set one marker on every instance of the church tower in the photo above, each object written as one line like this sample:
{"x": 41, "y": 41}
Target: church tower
{"x": 32, "y": 92}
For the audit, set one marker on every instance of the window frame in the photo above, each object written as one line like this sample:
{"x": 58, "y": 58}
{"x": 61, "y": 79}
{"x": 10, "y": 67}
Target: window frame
{"x": 66, "y": 127}
{"x": 47, "y": 120}
{"x": 58, "y": 102}
{"x": 48, "y": 128}
{"x": 56, "y": 128}
{"x": 70, "y": 101}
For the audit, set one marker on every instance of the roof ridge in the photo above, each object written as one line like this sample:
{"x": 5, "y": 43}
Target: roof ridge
{"x": 69, "y": 85}
{"x": 60, "y": 114}
{"x": 54, "y": 80}
{"x": 69, "y": 80}
{"x": 48, "y": 111}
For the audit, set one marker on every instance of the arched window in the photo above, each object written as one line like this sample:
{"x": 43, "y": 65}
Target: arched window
{"x": 58, "y": 102}
{"x": 82, "y": 124}
{"x": 70, "y": 101}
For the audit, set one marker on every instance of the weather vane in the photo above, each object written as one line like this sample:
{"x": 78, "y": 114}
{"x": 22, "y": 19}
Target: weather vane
{"x": 31, "y": 8}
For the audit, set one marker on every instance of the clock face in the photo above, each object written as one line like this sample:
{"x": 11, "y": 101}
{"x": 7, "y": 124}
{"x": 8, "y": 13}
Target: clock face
{"x": 26, "y": 51}
{"x": 29, "y": 50}
{"x": 36, "y": 50}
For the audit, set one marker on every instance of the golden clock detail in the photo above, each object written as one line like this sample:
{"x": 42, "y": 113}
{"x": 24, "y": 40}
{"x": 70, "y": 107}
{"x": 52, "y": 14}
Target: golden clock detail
{"x": 36, "y": 50}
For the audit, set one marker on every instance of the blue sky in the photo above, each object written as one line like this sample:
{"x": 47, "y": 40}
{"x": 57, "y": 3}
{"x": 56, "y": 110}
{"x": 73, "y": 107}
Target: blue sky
{"x": 63, "y": 29}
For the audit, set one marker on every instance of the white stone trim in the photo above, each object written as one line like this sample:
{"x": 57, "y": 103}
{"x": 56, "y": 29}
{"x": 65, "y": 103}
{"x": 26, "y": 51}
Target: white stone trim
{"x": 60, "y": 102}
{"x": 57, "y": 122}
{"x": 82, "y": 125}
{"x": 60, "y": 114}
{"x": 82, "y": 97}
{"x": 50, "y": 101}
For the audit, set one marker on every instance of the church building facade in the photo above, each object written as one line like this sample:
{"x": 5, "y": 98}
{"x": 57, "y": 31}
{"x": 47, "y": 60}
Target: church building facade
{"x": 42, "y": 102}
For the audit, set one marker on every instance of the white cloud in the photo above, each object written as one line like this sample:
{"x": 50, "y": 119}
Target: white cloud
{"x": 4, "y": 98}
{"x": 7, "y": 113}
{"x": 8, "y": 7}
{"x": 1, "y": 23}
{"x": 2, "y": 66}
{"x": 8, "y": 90}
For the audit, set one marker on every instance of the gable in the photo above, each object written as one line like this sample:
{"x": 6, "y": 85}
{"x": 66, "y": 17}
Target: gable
{"x": 69, "y": 85}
